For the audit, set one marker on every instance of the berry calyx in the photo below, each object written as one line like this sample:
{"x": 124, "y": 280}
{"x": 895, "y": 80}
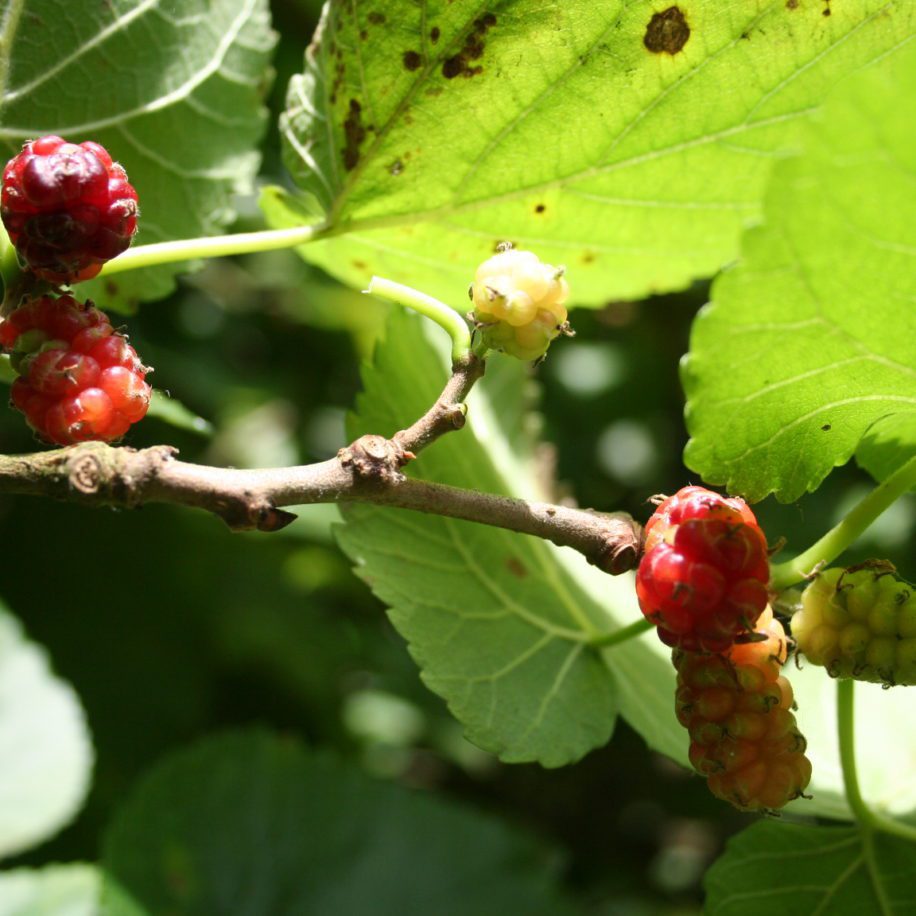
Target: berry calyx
{"x": 68, "y": 208}
{"x": 860, "y": 623}
{"x": 703, "y": 576}
{"x": 737, "y": 708}
{"x": 79, "y": 379}
{"x": 519, "y": 303}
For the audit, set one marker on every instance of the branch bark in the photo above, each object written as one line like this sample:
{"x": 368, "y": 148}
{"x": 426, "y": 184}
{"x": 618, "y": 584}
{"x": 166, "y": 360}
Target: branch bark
{"x": 96, "y": 474}
{"x": 368, "y": 470}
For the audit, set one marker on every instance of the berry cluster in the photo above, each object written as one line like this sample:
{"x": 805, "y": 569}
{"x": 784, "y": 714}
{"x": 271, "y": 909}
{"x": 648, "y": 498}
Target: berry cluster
{"x": 703, "y": 581}
{"x": 861, "y": 623}
{"x": 68, "y": 209}
{"x": 736, "y": 707}
{"x": 518, "y": 303}
{"x": 703, "y": 576}
{"x": 78, "y": 378}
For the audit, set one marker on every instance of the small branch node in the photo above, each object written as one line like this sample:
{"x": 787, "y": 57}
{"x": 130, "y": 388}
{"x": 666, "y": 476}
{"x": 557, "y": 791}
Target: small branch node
{"x": 85, "y": 474}
{"x": 375, "y": 458}
{"x": 621, "y": 548}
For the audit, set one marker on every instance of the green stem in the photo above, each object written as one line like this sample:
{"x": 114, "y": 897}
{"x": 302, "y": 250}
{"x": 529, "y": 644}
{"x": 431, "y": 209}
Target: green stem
{"x": 868, "y": 820}
{"x": 835, "y": 541}
{"x": 213, "y": 247}
{"x": 445, "y": 316}
{"x": 630, "y": 631}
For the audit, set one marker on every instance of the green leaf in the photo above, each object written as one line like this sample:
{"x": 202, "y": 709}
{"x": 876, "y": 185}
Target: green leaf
{"x": 256, "y": 825}
{"x": 884, "y": 751}
{"x": 597, "y": 133}
{"x": 56, "y": 890}
{"x": 812, "y": 337}
{"x": 800, "y": 870}
{"x": 889, "y": 443}
{"x": 177, "y": 100}
{"x": 497, "y": 620}
{"x": 176, "y": 414}
{"x": 45, "y": 749}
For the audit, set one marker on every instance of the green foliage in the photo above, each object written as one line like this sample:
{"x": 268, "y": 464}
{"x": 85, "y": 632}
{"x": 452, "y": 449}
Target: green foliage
{"x": 176, "y": 414}
{"x": 598, "y": 133}
{"x": 256, "y": 825}
{"x": 45, "y": 749}
{"x": 632, "y": 141}
{"x": 889, "y": 443}
{"x": 58, "y": 890}
{"x": 830, "y": 871}
{"x": 173, "y": 92}
{"x": 884, "y": 749}
{"x": 811, "y": 339}
{"x": 497, "y": 621}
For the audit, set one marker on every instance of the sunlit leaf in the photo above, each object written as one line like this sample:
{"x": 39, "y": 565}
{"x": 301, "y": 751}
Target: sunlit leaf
{"x": 56, "y": 890}
{"x": 630, "y": 141}
{"x": 812, "y": 337}
{"x": 45, "y": 750}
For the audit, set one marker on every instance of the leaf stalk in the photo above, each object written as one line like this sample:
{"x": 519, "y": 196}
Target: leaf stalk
{"x": 217, "y": 246}
{"x": 868, "y": 819}
{"x": 835, "y": 541}
{"x": 443, "y": 315}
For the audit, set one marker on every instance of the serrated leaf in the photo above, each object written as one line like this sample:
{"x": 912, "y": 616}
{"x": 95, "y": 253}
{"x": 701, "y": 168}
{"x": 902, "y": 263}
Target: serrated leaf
{"x": 56, "y": 890}
{"x": 45, "y": 749}
{"x": 799, "y": 870}
{"x": 597, "y": 133}
{"x": 497, "y": 620}
{"x": 173, "y": 91}
{"x": 255, "y": 824}
{"x": 889, "y": 443}
{"x": 812, "y": 337}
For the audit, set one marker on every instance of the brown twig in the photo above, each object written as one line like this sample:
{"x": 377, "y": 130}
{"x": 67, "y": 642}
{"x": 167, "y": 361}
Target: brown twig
{"x": 368, "y": 470}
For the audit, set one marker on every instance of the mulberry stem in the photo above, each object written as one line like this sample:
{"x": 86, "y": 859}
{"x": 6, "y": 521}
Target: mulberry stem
{"x": 869, "y": 820}
{"x": 442, "y": 314}
{"x": 835, "y": 541}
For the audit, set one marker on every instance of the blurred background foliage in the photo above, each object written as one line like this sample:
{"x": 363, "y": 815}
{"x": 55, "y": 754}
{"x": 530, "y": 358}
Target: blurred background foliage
{"x": 171, "y": 628}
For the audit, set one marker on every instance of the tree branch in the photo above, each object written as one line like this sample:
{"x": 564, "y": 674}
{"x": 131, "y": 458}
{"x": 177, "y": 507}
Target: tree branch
{"x": 368, "y": 470}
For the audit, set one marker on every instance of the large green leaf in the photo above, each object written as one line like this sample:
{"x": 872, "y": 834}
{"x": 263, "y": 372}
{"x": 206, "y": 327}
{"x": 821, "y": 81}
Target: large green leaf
{"x": 45, "y": 750}
{"x": 497, "y": 620}
{"x": 812, "y": 337}
{"x": 798, "y": 871}
{"x": 172, "y": 90}
{"x": 255, "y": 825}
{"x": 630, "y": 140}
{"x": 57, "y": 890}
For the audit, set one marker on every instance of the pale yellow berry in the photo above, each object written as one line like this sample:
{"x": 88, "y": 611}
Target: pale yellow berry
{"x": 519, "y": 303}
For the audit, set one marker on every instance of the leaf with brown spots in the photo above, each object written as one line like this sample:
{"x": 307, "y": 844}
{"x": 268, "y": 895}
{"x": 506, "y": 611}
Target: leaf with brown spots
{"x": 645, "y": 131}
